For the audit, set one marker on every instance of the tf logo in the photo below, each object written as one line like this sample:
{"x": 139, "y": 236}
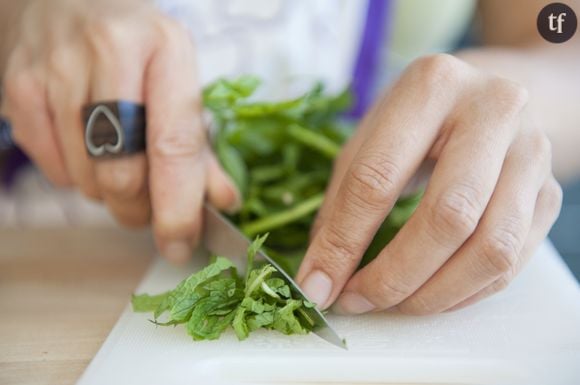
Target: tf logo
{"x": 557, "y": 23}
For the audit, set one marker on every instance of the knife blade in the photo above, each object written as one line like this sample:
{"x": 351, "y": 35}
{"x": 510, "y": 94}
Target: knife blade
{"x": 222, "y": 238}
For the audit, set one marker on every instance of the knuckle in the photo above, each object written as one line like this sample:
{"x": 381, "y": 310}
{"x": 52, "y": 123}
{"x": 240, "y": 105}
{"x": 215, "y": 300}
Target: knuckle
{"x": 373, "y": 181}
{"x": 457, "y": 211}
{"x": 436, "y": 72}
{"x": 391, "y": 287}
{"x": 102, "y": 29}
{"x": 501, "y": 283}
{"x": 551, "y": 197}
{"x": 337, "y": 251}
{"x": 98, "y": 27}
{"x": 537, "y": 151}
{"x": 417, "y": 305}
{"x": 170, "y": 31}
{"x": 178, "y": 143}
{"x": 20, "y": 87}
{"x": 542, "y": 148}
{"x": 105, "y": 38}
{"x": 123, "y": 180}
{"x": 500, "y": 251}
{"x": 61, "y": 65}
{"x": 509, "y": 96}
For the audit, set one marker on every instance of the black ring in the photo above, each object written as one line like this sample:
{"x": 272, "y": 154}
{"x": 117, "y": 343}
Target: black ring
{"x": 114, "y": 129}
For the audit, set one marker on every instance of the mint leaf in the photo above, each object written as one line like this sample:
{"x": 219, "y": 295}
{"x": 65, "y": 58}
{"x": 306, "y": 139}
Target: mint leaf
{"x": 148, "y": 303}
{"x": 187, "y": 294}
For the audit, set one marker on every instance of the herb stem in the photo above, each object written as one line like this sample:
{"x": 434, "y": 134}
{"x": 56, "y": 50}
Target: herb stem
{"x": 282, "y": 218}
{"x": 267, "y": 271}
{"x": 314, "y": 140}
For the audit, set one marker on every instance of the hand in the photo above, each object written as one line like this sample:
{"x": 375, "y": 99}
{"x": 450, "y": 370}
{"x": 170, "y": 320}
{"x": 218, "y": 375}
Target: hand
{"x": 71, "y": 53}
{"x": 489, "y": 203}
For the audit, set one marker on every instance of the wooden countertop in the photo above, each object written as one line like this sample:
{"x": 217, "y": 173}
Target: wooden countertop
{"x": 61, "y": 292}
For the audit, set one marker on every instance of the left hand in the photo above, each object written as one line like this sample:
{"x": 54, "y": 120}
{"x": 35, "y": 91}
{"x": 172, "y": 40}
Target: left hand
{"x": 490, "y": 201}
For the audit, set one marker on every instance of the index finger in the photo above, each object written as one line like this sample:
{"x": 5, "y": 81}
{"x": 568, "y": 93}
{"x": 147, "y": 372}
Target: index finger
{"x": 399, "y": 136}
{"x": 175, "y": 143}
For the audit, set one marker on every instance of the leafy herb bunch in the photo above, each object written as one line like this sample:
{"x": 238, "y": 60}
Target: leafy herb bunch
{"x": 280, "y": 155}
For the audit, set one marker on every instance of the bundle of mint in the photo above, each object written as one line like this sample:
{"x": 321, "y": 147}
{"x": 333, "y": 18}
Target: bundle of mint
{"x": 280, "y": 154}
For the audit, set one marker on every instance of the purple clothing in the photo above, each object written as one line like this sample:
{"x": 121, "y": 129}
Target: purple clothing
{"x": 364, "y": 75}
{"x": 15, "y": 160}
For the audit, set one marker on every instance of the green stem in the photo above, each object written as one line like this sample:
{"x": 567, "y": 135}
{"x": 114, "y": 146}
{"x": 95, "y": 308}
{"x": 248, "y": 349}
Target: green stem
{"x": 269, "y": 269}
{"x": 282, "y": 218}
{"x": 314, "y": 140}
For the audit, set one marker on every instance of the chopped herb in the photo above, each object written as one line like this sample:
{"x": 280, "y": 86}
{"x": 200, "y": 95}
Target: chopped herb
{"x": 217, "y": 297}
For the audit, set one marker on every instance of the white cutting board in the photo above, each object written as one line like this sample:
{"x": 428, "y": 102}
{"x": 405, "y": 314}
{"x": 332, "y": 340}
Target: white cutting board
{"x": 527, "y": 334}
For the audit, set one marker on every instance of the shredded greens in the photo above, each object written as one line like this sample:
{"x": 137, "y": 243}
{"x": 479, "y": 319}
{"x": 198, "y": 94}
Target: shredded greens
{"x": 217, "y": 297}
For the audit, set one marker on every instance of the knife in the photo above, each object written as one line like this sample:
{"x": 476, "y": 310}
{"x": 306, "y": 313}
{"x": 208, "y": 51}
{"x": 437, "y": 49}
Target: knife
{"x": 222, "y": 238}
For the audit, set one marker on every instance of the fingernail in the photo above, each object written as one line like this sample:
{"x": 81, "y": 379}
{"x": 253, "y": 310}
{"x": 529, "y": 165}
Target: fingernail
{"x": 317, "y": 286}
{"x": 177, "y": 251}
{"x": 352, "y": 303}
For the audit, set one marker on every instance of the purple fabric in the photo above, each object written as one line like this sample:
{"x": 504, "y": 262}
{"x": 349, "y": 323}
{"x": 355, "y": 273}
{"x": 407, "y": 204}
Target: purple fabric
{"x": 368, "y": 56}
{"x": 15, "y": 160}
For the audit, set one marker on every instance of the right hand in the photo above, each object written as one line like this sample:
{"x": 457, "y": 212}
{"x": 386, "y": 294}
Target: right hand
{"x": 72, "y": 53}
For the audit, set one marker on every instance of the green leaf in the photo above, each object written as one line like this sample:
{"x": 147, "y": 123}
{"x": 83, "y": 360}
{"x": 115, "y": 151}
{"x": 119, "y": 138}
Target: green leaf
{"x": 279, "y": 286}
{"x": 261, "y": 320}
{"x": 233, "y": 164}
{"x": 255, "y": 246}
{"x": 285, "y": 321}
{"x": 184, "y": 297}
{"x": 202, "y": 326}
{"x": 240, "y": 325}
{"x": 224, "y": 93}
{"x": 148, "y": 303}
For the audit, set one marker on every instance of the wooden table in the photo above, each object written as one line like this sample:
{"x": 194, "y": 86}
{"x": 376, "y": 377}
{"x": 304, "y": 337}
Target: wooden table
{"x": 61, "y": 292}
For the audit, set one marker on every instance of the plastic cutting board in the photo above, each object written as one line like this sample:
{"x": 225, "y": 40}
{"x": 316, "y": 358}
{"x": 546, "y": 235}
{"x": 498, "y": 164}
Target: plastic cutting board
{"x": 527, "y": 334}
